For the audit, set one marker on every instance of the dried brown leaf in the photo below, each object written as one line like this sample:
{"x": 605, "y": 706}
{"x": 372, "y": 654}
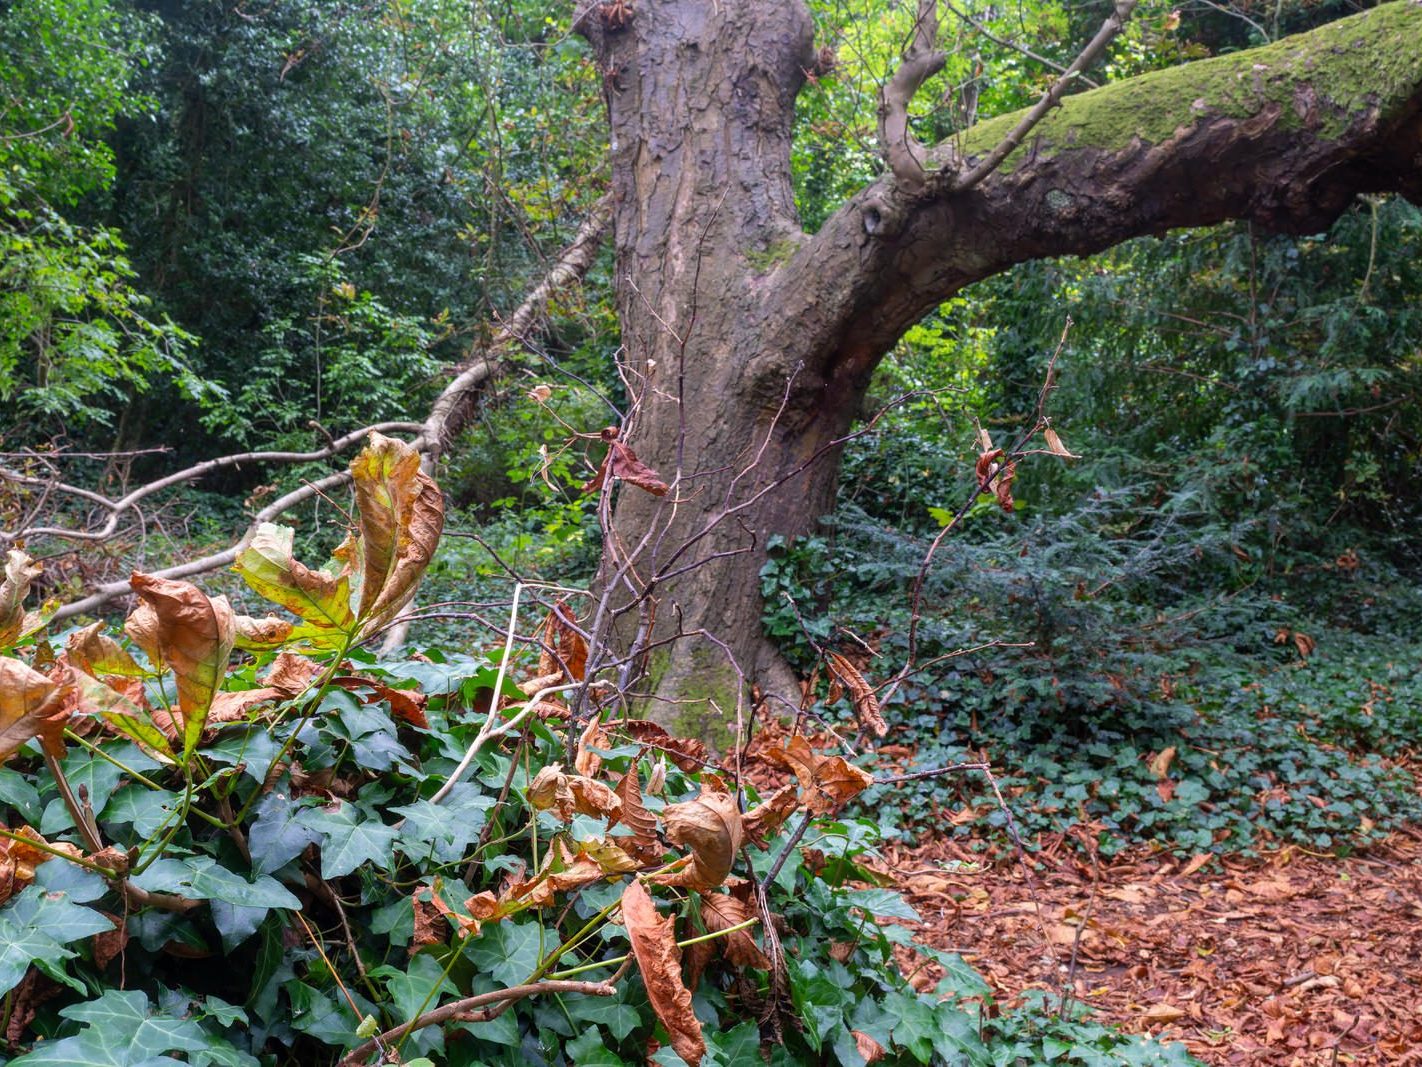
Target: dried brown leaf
{"x": 292, "y": 674}
{"x": 642, "y": 843}
{"x": 20, "y": 570}
{"x": 866, "y": 703}
{"x": 654, "y": 946}
{"x": 591, "y": 797}
{"x": 721, "y": 912}
{"x": 687, "y": 753}
{"x": 828, "y": 782}
{"x": 562, "y": 642}
{"x": 710, "y": 826}
{"x": 594, "y": 736}
{"x": 31, "y": 705}
{"x": 194, "y": 635}
{"x": 761, "y": 822}
{"x": 1054, "y": 443}
{"x": 550, "y": 790}
{"x": 870, "y": 1049}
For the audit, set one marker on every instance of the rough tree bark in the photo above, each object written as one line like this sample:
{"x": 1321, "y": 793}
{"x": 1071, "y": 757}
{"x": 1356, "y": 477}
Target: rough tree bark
{"x": 750, "y": 343}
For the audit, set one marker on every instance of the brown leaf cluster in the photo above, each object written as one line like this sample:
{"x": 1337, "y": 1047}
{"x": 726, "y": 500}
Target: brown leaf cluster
{"x": 828, "y": 781}
{"x": 866, "y": 702}
{"x": 654, "y": 946}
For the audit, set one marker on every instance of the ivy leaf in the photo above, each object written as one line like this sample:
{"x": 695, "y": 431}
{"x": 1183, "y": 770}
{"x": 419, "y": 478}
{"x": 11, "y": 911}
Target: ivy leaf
{"x": 349, "y": 838}
{"x": 507, "y": 951}
{"x": 278, "y": 835}
{"x": 34, "y": 928}
{"x": 321, "y": 599}
{"x": 448, "y": 829}
{"x": 203, "y": 878}
{"x": 121, "y": 1030}
{"x": 193, "y": 635}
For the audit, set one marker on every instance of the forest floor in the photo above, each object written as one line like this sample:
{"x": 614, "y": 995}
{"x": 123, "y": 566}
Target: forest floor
{"x": 1292, "y": 958}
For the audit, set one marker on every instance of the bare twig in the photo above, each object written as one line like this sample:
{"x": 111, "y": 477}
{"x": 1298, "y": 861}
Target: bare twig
{"x": 1115, "y": 22}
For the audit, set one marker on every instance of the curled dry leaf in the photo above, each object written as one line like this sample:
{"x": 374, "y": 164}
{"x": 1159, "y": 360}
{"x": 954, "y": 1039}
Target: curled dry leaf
{"x": 401, "y": 518}
{"x": 642, "y": 843}
{"x": 710, "y": 826}
{"x": 549, "y": 790}
{"x": 686, "y": 752}
{"x": 291, "y": 674}
{"x": 623, "y": 463}
{"x": 31, "y": 705}
{"x": 721, "y": 912}
{"x": 654, "y": 946}
{"x": 561, "y": 641}
{"x": 262, "y": 635}
{"x": 16, "y": 622}
{"x": 18, "y": 859}
{"x": 562, "y": 870}
{"x": 828, "y": 782}
{"x": 95, "y": 653}
{"x": 761, "y": 822}
{"x": 588, "y": 761}
{"x": 564, "y": 794}
{"x": 1054, "y": 443}
{"x": 866, "y": 703}
{"x": 870, "y": 1049}
{"x": 193, "y": 634}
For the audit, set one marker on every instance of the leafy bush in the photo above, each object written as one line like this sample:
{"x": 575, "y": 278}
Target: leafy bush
{"x": 418, "y": 858}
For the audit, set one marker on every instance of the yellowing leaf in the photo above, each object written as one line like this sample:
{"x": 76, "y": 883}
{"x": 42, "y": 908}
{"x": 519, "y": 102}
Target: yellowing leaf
{"x": 401, "y": 518}
{"x": 321, "y": 599}
{"x": 654, "y": 946}
{"x": 261, "y": 635}
{"x": 550, "y": 790}
{"x": 20, "y": 569}
{"x": 122, "y": 714}
{"x": 95, "y": 653}
{"x": 194, "y": 635}
{"x": 31, "y": 705}
{"x": 710, "y": 826}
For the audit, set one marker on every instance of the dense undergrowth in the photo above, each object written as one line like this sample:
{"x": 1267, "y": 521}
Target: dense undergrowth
{"x": 1142, "y": 685}
{"x": 309, "y": 855}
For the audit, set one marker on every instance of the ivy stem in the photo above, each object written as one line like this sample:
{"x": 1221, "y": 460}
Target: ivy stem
{"x": 558, "y": 975}
{"x": 45, "y": 846}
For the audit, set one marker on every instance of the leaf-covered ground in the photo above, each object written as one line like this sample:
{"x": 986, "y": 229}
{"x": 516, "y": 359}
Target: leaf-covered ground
{"x": 1273, "y": 961}
{"x": 1279, "y": 959}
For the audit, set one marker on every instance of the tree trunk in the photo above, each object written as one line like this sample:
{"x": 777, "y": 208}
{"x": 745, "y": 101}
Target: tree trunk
{"x": 748, "y": 344}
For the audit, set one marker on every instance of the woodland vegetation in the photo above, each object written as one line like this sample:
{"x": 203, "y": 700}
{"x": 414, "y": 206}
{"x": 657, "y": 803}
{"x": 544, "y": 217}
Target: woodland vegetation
{"x": 669, "y": 532}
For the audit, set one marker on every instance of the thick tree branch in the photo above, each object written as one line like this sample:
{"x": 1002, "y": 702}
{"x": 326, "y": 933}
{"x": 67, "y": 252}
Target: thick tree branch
{"x": 921, "y": 61}
{"x": 1286, "y": 135}
{"x": 451, "y": 411}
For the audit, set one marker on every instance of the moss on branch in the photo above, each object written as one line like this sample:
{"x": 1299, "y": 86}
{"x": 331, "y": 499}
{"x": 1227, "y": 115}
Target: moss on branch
{"x": 1322, "y": 81}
